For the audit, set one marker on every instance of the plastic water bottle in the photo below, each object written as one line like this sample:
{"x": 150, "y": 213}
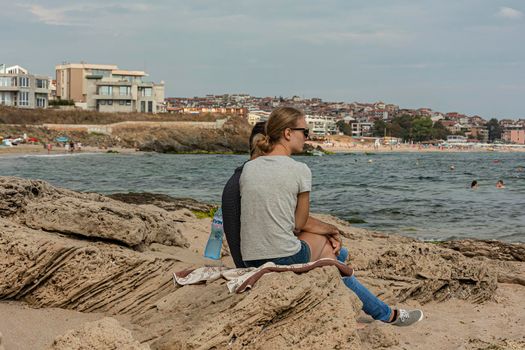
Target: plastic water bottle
{"x": 214, "y": 245}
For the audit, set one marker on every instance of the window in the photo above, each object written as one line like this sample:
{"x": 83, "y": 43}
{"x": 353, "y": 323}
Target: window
{"x": 128, "y": 102}
{"x": 102, "y": 72}
{"x": 5, "y": 81}
{"x": 23, "y": 98}
{"x": 102, "y": 102}
{"x": 41, "y": 102}
{"x": 23, "y": 81}
{"x": 122, "y": 102}
{"x": 110, "y": 102}
{"x": 150, "y": 106}
{"x": 5, "y": 98}
{"x": 128, "y": 78}
{"x": 125, "y": 90}
{"x": 146, "y": 92}
{"x": 143, "y": 106}
{"x": 105, "y": 90}
{"x": 42, "y": 83}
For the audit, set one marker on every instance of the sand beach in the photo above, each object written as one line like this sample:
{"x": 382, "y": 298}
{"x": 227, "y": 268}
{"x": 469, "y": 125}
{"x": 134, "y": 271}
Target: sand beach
{"x": 346, "y": 144}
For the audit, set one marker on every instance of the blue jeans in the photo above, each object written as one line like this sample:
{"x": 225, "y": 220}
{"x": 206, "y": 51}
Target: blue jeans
{"x": 371, "y": 304}
{"x": 301, "y": 257}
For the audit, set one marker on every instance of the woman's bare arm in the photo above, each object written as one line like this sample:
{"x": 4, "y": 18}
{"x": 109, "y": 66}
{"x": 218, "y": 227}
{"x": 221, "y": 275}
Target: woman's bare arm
{"x": 302, "y": 211}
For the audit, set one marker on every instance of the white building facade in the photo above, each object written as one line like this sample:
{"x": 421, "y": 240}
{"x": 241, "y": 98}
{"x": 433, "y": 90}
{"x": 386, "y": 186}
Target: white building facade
{"x": 321, "y": 125}
{"x": 106, "y": 88}
{"x": 20, "y": 89}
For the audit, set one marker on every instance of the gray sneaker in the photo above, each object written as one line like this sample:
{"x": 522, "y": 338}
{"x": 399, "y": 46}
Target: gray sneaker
{"x": 407, "y": 317}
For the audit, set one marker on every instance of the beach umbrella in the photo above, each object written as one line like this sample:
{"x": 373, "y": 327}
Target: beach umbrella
{"x": 62, "y": 139}
{"x": 32, "y": 139}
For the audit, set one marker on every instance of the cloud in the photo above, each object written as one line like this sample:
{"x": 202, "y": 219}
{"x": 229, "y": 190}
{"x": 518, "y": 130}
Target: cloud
{"x": 78, "y": 15}
{"x": 508, "y": 12}
{"x": 49, "y": 16}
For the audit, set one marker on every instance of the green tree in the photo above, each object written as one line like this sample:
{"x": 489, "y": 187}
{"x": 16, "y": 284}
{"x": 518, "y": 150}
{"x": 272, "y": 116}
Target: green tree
{"x": 402, "y": 127}
{"x": 394, "y": 130}
{"x": 379, "y": 128}
{"x": 439, "y": 131}
{"x": 494, "y": 130}
{"x": 344, "y": 127}
{"x": 422, "y": 129}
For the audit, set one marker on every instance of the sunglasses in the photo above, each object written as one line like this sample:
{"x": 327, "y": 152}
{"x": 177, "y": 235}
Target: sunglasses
{"x": 305, "y": 131}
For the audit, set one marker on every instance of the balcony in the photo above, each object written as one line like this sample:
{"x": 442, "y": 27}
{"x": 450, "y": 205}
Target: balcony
{"x": 10, "y": 88}
{"x": 113, "y": 97}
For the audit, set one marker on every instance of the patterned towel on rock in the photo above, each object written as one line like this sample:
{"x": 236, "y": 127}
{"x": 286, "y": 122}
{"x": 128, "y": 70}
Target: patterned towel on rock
{"x": 241, "y": 279}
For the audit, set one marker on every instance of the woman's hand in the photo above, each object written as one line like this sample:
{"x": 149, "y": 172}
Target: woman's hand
{"x": 333, "y": 230}
{"x": 336, "y": 241}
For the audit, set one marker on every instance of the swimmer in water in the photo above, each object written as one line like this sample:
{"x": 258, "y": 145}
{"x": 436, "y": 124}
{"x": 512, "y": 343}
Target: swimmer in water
{"x": 452, "y": 167}
{"x": 500, "y": 184}
{"x": 474, "y": 185}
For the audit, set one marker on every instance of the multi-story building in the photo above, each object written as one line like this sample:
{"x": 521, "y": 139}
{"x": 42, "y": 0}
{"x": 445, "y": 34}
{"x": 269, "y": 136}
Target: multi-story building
{"x": 478, "y": 132}
{"x": 321, "y": 125}
{"x": 361, "y": 129}
{"x": 456, "y": 139}
{"x": 514, "y": 135}
{"x": 20, "y": 89}
{"x": 106, "y": 88}
{"x": 257, "y": 116}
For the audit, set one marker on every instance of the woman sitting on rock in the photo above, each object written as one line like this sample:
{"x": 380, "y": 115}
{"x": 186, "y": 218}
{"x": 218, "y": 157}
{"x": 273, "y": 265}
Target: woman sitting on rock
{"x": 275, "y": 202}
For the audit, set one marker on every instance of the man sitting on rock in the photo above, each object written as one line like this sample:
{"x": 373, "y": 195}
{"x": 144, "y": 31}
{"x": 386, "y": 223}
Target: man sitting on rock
{"x": 231, "y": 211}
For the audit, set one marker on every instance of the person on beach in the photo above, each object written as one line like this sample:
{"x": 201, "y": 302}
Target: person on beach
{"x": 275, "y": 222}
{"x": 231, "y": 210}
{"x": 500, "y": 184}
{"x": 474, "y": 185}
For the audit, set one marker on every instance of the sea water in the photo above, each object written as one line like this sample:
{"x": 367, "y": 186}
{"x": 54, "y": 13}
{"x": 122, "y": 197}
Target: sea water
{"x": 413, "y": 194}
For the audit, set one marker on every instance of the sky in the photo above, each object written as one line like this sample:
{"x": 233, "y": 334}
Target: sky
{"x": 465, "y": 56}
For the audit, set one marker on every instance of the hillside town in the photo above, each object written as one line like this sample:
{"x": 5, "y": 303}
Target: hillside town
{"x": 107, "y": 88}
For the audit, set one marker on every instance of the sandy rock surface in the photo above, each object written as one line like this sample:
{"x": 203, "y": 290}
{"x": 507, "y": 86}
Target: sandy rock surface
{"x": 38, "y": 205}
{"x": 90, "y": 253}
{"x": 103, "y": 334}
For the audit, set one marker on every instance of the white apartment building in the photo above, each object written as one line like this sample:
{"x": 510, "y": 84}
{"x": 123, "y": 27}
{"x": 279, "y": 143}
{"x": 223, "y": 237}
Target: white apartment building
{"x": 20, "y": 89}
{"x": 361, "y": 129}
{"x": 321, "y": 125}
{"x": 257, "y": 116}
{"x": 106, "y": 88}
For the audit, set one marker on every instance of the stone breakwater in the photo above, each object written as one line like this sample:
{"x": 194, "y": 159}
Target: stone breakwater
{"x": 91, "y": 253}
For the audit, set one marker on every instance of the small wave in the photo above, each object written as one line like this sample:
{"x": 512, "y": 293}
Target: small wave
{"x": 355, "y": 220}
{"x": 61, "y": 155}
{"x": 428, "y": 178}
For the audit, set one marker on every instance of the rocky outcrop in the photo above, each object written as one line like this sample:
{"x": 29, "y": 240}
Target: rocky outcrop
{"x": 49, "y": 270}
{"x": 54, "y": 270}
{"x": 424, "y": 273}
{"x": 162, "y": 201}
{"x": 90, "y": 253}
{"x": 310, "y": 311}
{"x": 232, "y": 137}
{"x": 491, "y": 249}
{"x": 104, "y": 334}
{"x": 37, "y": 205}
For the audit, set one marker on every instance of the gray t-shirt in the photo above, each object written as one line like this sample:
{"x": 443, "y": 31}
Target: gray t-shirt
{"x": 269, "y": 187}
